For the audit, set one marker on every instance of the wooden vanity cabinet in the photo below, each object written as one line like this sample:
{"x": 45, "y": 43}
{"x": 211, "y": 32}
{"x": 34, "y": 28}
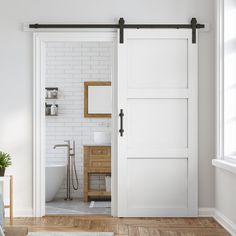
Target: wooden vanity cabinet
{"x": 97, "y": 160}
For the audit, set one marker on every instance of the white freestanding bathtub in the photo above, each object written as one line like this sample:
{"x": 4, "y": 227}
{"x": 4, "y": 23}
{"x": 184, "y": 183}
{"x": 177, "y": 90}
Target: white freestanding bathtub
{"x": 54, "y": 176}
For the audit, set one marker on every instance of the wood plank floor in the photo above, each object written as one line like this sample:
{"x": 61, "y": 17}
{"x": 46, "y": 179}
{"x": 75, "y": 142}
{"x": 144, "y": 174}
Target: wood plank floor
{"x": 125, "y": 226}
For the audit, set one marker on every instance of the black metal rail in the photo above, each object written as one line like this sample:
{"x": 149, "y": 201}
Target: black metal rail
{"x": 121, "y": 26}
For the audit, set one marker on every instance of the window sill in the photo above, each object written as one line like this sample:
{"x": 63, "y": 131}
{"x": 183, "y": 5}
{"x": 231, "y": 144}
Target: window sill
{"x": 225, "y": 165}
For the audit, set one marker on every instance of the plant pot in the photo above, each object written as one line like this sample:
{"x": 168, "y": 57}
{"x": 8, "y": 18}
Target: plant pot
{"x": 2, "y": 171}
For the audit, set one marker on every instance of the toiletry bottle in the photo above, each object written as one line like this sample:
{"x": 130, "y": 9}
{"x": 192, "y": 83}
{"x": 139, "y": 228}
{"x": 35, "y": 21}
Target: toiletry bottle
{"x": 49, "y": 94}
{"x": 53, "y": 109}
{"x": 48, "y": 109}
{"x": 54, "y": 93}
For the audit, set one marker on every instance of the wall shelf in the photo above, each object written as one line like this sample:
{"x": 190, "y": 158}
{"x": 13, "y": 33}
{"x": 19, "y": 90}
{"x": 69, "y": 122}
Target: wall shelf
{"x": 48, "y": 110}
{"x": 50, "y": 98}
{"x": 92, "y": 193}
{"x": 51, "y": 93}
{"x": 52, "y": 115}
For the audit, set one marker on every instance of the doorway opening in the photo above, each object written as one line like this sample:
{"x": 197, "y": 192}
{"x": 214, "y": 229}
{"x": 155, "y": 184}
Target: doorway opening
{"x": 74, "y": 75}
{"x": 154, "y": 136}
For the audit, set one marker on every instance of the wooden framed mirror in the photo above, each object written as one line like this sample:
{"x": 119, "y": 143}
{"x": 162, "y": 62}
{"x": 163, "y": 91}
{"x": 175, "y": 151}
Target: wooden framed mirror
{"x": 97, "y": 99}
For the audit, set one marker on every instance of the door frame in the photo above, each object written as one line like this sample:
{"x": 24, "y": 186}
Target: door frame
{"x": 39, "y": 42}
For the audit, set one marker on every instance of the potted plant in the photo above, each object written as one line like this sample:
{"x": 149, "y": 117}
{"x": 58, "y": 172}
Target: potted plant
{"x": 5, "y": 161}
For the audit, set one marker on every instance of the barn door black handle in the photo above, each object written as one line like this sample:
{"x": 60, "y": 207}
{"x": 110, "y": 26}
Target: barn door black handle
{"x": 121, "y": 115}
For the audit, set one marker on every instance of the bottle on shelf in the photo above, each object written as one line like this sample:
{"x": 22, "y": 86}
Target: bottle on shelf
{"x": 54, "y": 93}
{"x": 53, "y": 109}
{"x": 49, "y": 94}
{"x": 47, "y": 110}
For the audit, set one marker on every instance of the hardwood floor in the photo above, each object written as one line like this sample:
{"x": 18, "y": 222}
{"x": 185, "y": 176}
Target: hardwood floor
{"x": 125, "y": 226}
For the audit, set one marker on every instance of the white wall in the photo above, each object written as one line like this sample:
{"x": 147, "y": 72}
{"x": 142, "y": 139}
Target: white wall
{"x": 16, "y": 74}
{"x": 68, "y": 66}
{"x": 226, "y": 194}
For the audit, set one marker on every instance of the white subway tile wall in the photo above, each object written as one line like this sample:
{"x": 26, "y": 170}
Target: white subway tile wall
{"x": 68, "y": 66}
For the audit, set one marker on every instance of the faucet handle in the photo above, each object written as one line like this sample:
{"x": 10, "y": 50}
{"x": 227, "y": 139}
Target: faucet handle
{"x": 67, "y": 141}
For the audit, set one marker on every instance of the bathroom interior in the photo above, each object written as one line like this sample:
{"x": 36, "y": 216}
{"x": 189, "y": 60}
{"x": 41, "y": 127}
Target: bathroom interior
{"x": 78, "y": 107}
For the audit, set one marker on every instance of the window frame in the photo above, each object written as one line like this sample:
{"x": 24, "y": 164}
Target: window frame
{"x": 220, "y": 80}
{"x": 220, "y": 136}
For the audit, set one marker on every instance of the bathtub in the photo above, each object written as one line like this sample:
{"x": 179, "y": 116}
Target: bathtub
{"x": 54, "y": 177}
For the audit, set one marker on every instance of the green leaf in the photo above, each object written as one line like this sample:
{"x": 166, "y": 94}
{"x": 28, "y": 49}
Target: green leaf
{"x": 5, "y": 160}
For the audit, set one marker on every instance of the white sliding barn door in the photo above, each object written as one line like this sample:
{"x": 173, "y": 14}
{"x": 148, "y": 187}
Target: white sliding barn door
{"x": 157, "y": 154}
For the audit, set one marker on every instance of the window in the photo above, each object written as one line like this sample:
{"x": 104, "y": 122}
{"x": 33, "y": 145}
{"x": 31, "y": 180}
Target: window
{"x": 226, "y": 81}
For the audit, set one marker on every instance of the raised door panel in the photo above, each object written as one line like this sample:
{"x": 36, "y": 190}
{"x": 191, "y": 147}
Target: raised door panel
{"x": 157, "y": 63}
{"x": 157, "y": 183}
{"x": 157, "y": 123}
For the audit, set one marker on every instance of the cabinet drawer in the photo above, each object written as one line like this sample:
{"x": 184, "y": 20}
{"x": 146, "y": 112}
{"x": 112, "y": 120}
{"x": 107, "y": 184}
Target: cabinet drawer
{"x": 100, "y": 151}
{"x": 100, "y": 162}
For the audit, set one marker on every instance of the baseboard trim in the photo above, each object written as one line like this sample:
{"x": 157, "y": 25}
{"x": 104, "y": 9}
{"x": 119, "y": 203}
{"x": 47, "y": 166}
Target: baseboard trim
{"x": 229, "y": 225}
{"x": 26, "y": 212}
{"x": 225, "y": 222}
{"x": 206, "y": 212}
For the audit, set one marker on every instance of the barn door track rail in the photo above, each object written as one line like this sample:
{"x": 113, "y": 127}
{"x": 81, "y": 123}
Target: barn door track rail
{"x": 194, "y": 25}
